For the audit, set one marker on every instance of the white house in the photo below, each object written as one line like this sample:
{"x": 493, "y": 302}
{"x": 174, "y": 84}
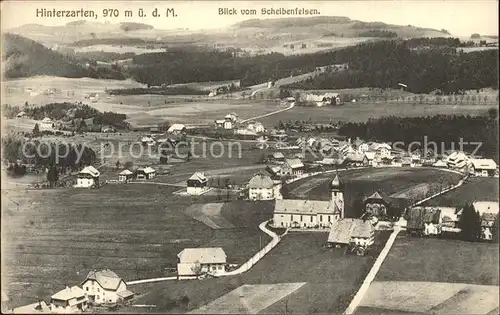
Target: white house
{"x": 483, "y": 167}
{"x": 457, "y": 160}
{"x": 146, "y": 140}
{"x": 69, "y": 301}
{"x": 197, "y": 184}
{"x": 145, "y": 173}
{"x": 351, "y": 231}
{"x": 105, "y": 287}
{"x": 292, "y": 167}
{"x": 369, "y": 159}
{"x": 21, "y": 114}
{"x": 46, "y": 124}
{"x": 176, "y": 128}
{"x": 260, "y": 187}
{"x": 87, "y": 177}
{"x": 125, "y": 175}
{"x": 256, "y": 127}
{"x": 229, "y": 121}
{"x": 194, "y": 262}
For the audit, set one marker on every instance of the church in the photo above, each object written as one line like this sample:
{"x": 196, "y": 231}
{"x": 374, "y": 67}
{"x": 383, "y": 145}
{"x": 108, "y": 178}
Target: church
{"x": 297, "y": 213}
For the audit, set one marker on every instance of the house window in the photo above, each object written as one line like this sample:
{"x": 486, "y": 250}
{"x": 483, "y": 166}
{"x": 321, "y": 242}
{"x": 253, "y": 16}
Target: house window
{"x": 103, "y": 293}
{"x": 98, "y": 290}
{"x": 87, "y": 288}
{"x": 97, "y": 297}
{"x": 320, "y": 218}
{"x": 311, "y": 219}
{"x": 301, "y": 218}
{"x": 329, "y": 219}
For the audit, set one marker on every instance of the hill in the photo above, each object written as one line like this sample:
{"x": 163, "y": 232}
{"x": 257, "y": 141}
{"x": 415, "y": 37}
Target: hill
{"x": 23, "y": 57}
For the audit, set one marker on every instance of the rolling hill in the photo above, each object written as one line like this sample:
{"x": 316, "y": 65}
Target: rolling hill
{"x": 23, "y": 57}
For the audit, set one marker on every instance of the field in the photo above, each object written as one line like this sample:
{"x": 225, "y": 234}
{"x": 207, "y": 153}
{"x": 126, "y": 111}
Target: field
{"x": 331, "y": 279}
{"x": 363, "y": 182}
{"x": 450, "y": 276}
{"x": 55, "y": 236}
{"x": 475, "y": 189}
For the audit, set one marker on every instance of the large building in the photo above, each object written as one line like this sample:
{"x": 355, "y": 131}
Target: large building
{"x": 69, "y": 300}
{"x": 105, "y": 287}
{"x": 195, "y": 262}
{"x": 351, "y": 231}
{"x": 261, "y": 187}
{"x": 483, "y": 167}
{"x": 88, "y": 177}
{"x": 311, "y": 213}
{"x": 197, "y": 184}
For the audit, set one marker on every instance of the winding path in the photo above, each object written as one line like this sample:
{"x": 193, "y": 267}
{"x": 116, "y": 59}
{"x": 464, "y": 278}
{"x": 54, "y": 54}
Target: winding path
{"x": 269, "y": 114}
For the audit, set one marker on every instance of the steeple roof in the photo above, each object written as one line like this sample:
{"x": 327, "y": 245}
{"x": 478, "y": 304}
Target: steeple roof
{"x": 337, "y": 183}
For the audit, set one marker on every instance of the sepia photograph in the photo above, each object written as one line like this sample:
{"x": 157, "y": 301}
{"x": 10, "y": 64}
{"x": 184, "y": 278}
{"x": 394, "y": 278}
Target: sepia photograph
{"x": 250, "y": 157}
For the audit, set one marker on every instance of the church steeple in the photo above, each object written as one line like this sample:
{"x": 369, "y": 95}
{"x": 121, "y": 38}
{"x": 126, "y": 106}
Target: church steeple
{"x": 337, "y": 183}
{"x": 337, "y": 193}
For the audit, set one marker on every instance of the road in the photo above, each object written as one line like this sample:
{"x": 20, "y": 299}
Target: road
{"x": 269, "y": 114}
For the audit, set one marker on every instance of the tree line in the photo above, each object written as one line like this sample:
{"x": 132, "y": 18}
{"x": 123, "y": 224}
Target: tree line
{"x": 444, "y": 130}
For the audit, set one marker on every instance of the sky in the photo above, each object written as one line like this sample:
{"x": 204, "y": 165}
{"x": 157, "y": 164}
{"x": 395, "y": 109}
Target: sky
{"x": 460, "y": 17}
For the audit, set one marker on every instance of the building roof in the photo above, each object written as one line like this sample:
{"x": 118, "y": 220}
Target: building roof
{"x": 125, "y": 294}
{"x": 278, "y": 155}
{"x": 106, "y": 278}
{"x": 486, "y": 206}
{"x": 219, "y": 121}
{"x": 199, "y": 176}
{"x": 379, "y": 195}
{"x": 484, "y": 164}
{"x": 294, "y": 163}
{"x": 125, "y": 172}
{"x": 90, "y": 170}
{"x": 176, "y": 127}
{"x": 68, "y": 293}
{"x": 295, "y": 206}
{"x": 261, "y": 181}
{"x": 46, "y": 120}
{"x": 488, "y": 216}
{"x": 354, "y": 157}
{"x": 370, "y": 155}
{"x": 210, "y": 255}
{"x": 343, "y": 230}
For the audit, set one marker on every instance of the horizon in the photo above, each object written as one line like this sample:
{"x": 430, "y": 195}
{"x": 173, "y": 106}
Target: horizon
{"x": 479, "y": 16}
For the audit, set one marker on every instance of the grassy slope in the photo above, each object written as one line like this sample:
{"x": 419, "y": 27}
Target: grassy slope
{"x": 360, "y": 183}
{"x": 476, "y": 189}
{"x": 332, "y": 278}
{"x": 436, "y": 260}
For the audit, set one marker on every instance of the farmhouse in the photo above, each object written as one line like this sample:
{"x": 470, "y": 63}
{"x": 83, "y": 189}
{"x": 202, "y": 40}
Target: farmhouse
{"x": 229, "y": 122}
{"x": 105, "y": 286}
{"x": 424, "y": 221}
{"x": 197, "y": 184}
{"x": 380, "y": 204}
{"x": 69, "y": 300}
{"x": 277, "y": 157}
{"x": 125, "y": 176}
{"x": 483, "y": 167}
{"x": 46, "y": 124}
{"x": 322, "y": 99}
{"x": 457, "y": 160}
{"x": 369, "y": 159}
{"x": 88, "y": 177}
{"x": 261, "y": 187}
{"x": 194, "y": 262}
{"x": 292, "y": 167}
{"x": 311, "y": 213}
{"x": 351, "y": 231}
{"x": 145, "y": 173}
{"x": 219, "y": 123}
{"x": 176, "y": 129}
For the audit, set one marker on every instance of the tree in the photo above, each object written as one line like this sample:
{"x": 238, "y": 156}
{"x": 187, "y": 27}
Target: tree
{"x": 494, "y": 230}
{"x": 470, "y": 224}
{"x": 52, "y": 176}
{"x": 36, "y": 131}
{"x": 163, "y": 156}
{"x": 117, "y": 165}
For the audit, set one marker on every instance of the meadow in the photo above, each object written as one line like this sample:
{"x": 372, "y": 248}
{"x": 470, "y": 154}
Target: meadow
{"x": 475, "y": 189}
{"x": 331, "y": 279}
{"x": 430, "y": 275}
{"x": 363, "y": 182}
{"x": 52, "y": 238}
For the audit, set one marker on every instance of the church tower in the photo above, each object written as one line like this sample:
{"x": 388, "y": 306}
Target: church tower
{"x": 337, "y": 194}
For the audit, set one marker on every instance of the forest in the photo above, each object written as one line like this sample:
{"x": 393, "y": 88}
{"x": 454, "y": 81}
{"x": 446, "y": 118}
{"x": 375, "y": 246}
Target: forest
{"x": 423, "y": 64}
{"x": 445, "y": 130}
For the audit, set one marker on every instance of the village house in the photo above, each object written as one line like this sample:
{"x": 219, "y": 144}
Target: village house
{"x": 88, "y": 177}
{"x": 277, "y": 157}
{"x": 383, "y": 150}
{"x": 125, "y": 176}
{"x": 261, "y": 187}
{"x": 105, "y": 287}
{"x": 483, "y": 167}
{"x": 369, "y": 159}
{"x": 219, "y": 123}
{"x": 292, "y": 167}
{"x": 145, "y": 173}
{"x": 21, "y": 114}
{"x": 311, "y": 213}
{"x": 194, "y": 262}
{"x": 69, "y": 300}
{"x": 256, "y": 127}
{"x": 148, "y": 141}
{"x": 348, "y": 231}
{"x": 46, "y": 124}
{"x": 176, "y": 129}
{"x": 424, "y": 221}
{"x": 457, "y": 160}
{"x": 380, "y": 204}
{"x": 197, "y": 184}
{"x": 354, "y": 159}
{"x": 487, "y": 222}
